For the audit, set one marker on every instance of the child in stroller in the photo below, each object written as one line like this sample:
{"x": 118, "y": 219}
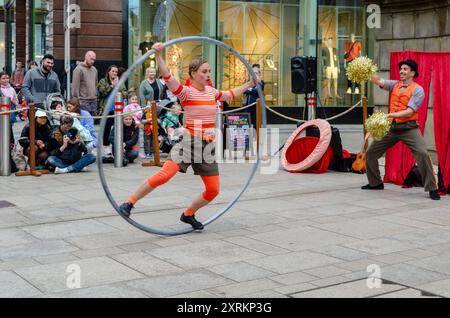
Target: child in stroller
{"x": 170, "y": 130}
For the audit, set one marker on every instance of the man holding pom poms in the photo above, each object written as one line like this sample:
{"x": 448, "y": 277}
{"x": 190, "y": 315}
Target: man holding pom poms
{"x": 405, "y": 100}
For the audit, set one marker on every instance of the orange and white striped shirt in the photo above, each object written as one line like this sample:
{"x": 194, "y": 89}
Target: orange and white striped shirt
{"x": 200, "y": 107}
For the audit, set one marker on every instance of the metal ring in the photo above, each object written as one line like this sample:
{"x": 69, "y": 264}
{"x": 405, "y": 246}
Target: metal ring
{"x": 122, "y": 81}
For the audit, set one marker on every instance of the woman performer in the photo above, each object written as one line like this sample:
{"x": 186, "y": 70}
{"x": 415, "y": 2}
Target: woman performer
{"x": 199, "y": 103}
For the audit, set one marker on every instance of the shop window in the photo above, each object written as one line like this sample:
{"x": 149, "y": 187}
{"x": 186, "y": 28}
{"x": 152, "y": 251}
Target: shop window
{"x": 341, "y": 38}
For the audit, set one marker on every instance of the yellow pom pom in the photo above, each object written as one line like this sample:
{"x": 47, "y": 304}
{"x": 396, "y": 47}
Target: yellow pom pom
{"x": 378, "y": 125}
{"x": 361, "y": 69}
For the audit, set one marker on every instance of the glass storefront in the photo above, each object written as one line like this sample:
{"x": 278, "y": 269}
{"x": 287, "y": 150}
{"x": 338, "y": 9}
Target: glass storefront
{"x": 342, "y": 37}
{"x": 265, "y": 32}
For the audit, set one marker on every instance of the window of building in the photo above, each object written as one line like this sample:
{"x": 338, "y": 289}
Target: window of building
{"x": 342, "y": 37}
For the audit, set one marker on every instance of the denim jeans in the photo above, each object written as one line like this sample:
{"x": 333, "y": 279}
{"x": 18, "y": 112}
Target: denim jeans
{"x": 130, "y": 155}
{"x": 85, "y": 161}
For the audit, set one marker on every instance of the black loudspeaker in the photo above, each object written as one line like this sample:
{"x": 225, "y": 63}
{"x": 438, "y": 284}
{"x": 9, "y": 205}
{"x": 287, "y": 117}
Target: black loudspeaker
{"x": 303, "y": 74}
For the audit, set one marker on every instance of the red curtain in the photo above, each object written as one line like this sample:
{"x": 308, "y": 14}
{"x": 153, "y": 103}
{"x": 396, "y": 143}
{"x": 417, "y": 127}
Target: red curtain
{"x": 433, "y": 66}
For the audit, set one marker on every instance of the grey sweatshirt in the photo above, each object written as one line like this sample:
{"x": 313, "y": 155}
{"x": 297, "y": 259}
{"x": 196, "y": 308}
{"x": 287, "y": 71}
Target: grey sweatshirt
{"x": 84, "y": 82}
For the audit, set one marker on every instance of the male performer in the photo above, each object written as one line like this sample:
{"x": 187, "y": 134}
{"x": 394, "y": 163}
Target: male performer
{"x": 406, "y": 98}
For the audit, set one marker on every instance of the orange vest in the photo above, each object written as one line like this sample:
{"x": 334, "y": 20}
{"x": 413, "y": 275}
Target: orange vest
{"x": 399, "y": 101}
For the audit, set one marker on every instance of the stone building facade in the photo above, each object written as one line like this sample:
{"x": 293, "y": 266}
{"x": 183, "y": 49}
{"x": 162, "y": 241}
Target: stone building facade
{"x": 415, "y": 26}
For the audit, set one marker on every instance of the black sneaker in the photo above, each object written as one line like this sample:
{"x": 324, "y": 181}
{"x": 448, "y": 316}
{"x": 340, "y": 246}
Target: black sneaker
{"x": 125, "y": 209}
{"x": 434, "y": 195}
{"x": 192, "y": 221}
{"x": 369, "y": 187}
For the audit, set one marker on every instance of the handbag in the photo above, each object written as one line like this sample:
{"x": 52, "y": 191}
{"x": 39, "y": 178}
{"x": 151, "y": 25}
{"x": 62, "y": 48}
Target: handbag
{"x": 18, "y": 157}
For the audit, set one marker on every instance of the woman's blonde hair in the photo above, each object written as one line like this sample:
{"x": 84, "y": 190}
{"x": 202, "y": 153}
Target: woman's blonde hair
{"x": 195, "y": 65}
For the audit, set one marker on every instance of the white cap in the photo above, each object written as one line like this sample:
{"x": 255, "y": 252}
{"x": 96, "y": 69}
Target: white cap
{"x": 40, "y": 113}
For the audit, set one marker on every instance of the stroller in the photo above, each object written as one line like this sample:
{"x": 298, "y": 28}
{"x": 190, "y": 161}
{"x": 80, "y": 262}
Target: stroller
{"x": 52, "y": 98}
{"x": 165, "y": 142}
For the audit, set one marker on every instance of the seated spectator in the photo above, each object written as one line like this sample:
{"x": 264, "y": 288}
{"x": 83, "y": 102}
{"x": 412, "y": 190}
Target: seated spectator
{"x": 68, "y": 152}
{"x": 130, "y": 138}
{"x": 42, "y": 133}
{"x": 84, "y": 133}
{"x": 134, "y": 108}
{"x": 87, "y": 121}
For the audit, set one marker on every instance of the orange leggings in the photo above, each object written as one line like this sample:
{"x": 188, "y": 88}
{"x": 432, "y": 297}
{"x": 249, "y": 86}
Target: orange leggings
{"x": 170, "y": 168}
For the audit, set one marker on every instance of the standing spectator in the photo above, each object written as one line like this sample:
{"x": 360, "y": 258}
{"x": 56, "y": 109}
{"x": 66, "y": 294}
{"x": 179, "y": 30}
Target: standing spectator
{"x": 134, "y": 108}
{"x": 69, "y": 154}
{"x": 86, "y": 121}
{"x": 31, "y": 65}
{"x": 84, "y": 83}
{"x": 40, "y": 82}
{"x": 18, "y": 76}
{"x": 251, "y": 95}
{"x": 7, "y": 90}
{"x": 42, "y": 134}
{"x": 151, "y": 88}
{"x": 105, "y": 87}
{"x": 130, "y": 138}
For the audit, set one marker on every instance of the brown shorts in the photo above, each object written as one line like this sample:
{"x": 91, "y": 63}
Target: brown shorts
{"x": 195, "y": 152}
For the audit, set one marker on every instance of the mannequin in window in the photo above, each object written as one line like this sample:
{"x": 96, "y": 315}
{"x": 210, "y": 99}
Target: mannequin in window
{"x": 175, "y": 60}
{"x": 144, "y": 47}
{"x": 353, "y": 50}
{"x": 331, "y": 66}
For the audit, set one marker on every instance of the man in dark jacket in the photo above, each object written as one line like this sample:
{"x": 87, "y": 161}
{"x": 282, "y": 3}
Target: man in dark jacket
{"x": 40, "y": 82}
{"x": 42, "y": 134}
{"x": 130, "y": 138}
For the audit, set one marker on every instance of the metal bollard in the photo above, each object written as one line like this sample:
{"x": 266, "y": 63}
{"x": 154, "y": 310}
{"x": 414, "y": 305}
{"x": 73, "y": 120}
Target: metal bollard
{"x": 312, "y": 104}
{"x": 219, "y": 133}
{"x": 5, "y": 137}
{"x": 118, "y": 131}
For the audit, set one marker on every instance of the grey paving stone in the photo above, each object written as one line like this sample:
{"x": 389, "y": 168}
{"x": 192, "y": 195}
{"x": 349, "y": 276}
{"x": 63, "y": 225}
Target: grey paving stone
{"x": 36, "y": 249}
{"x": 293, "y": 278}
{"x": 409, "y": 275}
{"x": 203, "y": 254}
{"x": 257, "y": 246}
{"x": 196, "y": 294}
{"x": 438, "y": 263}
{"x": 11, "y": 265}
{"x": 108, "y": 291}
{"x": 326, "y": 271}
{"x": 380, "y": 246}
{"x": 301, "y": 238}
{"x": 146, "y": 264}
{"x": 365, "y": 229}
{"x": 424, "y": 238}
{"x": 293, "y": 262}
{"x": 240, "y": 289}
{"x": 343, "y": 253}
{"x": 94, "y": 272}
{"x": 98, "y": 252}
{"x": 180, "y": 283}
{"x": 440, "y": 288}
{"x": 295, "y": 288}
{"x": 10, "y": 237}
{"x": 13, "y": 286}
{"x": 98, "y": 241}
{"x": 68, "y": 229}
{"x": 357, "y": 289}
{"x": 405, "y": 293}
{"x": 240, "y": 271}
{"x": 59, "y": 258}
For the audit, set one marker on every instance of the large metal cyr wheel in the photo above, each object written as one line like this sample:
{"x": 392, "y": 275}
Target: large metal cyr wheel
{"x": 103, "y": 123}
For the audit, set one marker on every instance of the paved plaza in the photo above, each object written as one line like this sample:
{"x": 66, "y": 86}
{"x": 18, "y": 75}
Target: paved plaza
{"x": 290, "y": 235}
